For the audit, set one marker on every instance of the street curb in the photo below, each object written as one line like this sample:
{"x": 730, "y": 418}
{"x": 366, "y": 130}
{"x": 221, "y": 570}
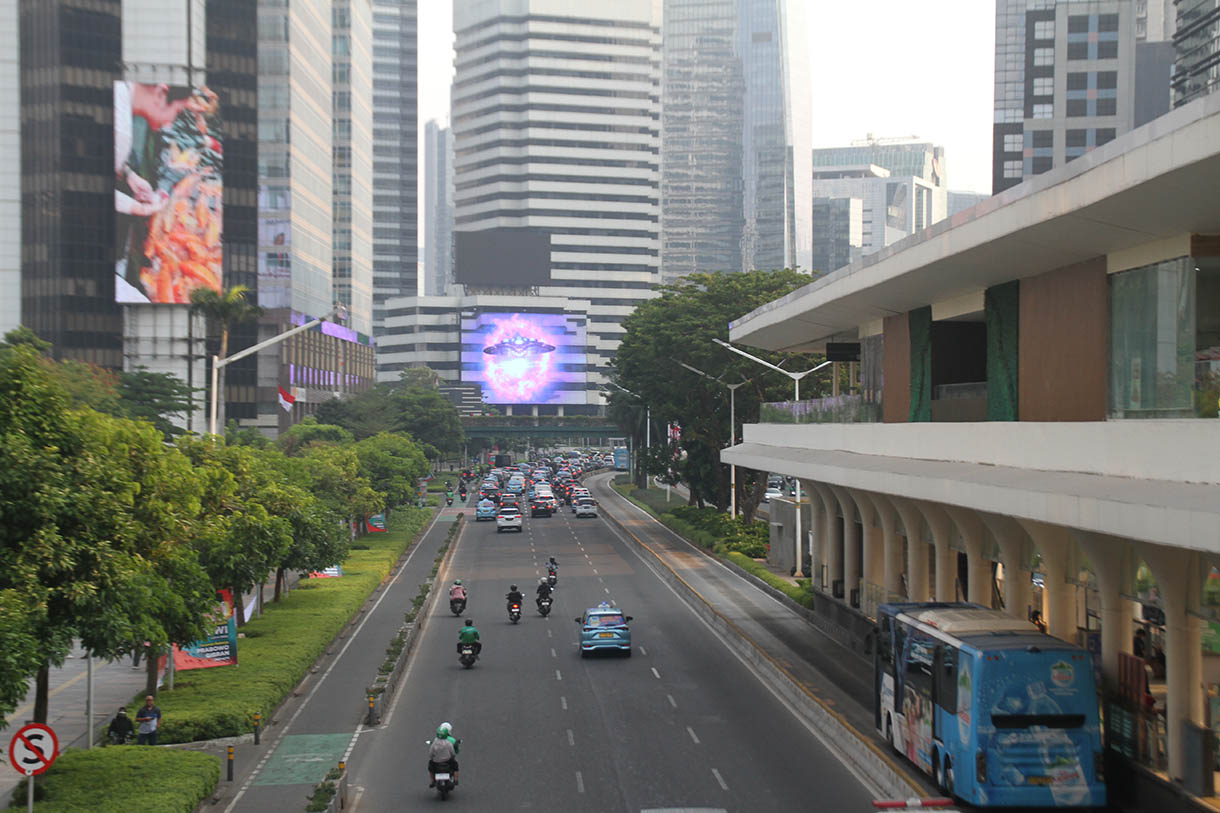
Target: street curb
{"x": 861, "y": 752}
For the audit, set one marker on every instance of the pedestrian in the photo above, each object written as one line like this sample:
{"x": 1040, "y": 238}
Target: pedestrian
{"x": 119, "y": 730}
{"x": 148, "y": 718}
{"x": 1139, "y": 646}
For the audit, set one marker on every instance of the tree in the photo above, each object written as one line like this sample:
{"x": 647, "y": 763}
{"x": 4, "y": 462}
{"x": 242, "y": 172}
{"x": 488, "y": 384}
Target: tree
{"x": 224, "y": 311}
{"x": 411, "y": 405}
{"x": 393, "y": 466}
{"x": 679, "y": 326}
{"x": 309, "y": 431}
{"x": 155, "y": 397}
{"x": 332, "y": 474}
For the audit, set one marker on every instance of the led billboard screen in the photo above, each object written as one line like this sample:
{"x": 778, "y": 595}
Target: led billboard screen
{"x": 168, "y": 194}
{"x": 502, "y": 256}
{"x": 525, "y": 358}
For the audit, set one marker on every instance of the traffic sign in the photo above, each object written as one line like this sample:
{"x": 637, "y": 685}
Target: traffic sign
{"x": 33, "y": 748}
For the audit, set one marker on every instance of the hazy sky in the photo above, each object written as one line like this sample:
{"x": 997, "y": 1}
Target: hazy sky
{"x": 893, "y": 68}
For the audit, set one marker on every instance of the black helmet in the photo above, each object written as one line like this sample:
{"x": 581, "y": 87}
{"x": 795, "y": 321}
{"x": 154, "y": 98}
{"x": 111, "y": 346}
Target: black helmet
{"x": 512, "y": 587}
{"x": 469, "y": 622}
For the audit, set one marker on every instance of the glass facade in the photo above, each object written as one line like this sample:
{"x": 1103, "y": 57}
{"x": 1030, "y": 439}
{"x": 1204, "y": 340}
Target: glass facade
{"x": 1165, "y": 340}
{"x": 1197, "y": 47}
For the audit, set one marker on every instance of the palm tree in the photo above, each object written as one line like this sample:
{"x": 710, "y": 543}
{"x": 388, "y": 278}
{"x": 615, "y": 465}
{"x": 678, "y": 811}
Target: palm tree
{"x": 224, "y": 310}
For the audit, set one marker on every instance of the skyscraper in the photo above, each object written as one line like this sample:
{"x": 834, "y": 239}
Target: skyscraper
{"x": 351, "y": 43}
{"x": 10, "y": 160}
{"x": 1071, "y": 75}
{"x": 395, "y": 164}
{"x": 438, "y": 208}
{"x": 736, "y": 188}
{"x": 556, "y": 126}
{"x": 1197, "y": 44}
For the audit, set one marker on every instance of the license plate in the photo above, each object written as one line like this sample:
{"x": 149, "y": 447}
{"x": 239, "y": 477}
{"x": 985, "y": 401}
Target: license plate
{"x": 1040, "y": 780}
{"x": 442, "y": 777}
{"x": 605, "y": 635}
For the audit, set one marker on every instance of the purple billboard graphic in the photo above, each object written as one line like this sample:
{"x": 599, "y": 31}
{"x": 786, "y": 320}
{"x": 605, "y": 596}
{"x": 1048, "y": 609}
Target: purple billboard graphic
{"x": 525, "y": 358}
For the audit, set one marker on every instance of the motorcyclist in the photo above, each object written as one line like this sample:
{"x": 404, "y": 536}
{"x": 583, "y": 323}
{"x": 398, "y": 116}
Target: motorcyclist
{"x": 544, "y": 591}
{"x": 120, "y": 729}
{"x": 552, "y": 566}
{"x": 469, "y": 635}
{"x": 443, "y": 754}
{"x": 514, "y": 595}
{"x": 457, "y": 592}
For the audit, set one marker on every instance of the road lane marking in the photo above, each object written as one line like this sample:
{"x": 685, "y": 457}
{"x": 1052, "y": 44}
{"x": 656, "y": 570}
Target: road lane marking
{"x": 553, "y": 655}
{"x": 548, "y": 633}
{"x": 580, "y": 783}
{"x": 607, "y": 589}
{"x": 655, "y": 673}
{"x": 719, "y": 779}
{"x": 672, "y": 702}
{"x": 594, "y": 571}
{"x": 563, "y": 701}
{"x": 643, "y": 651}
{"x": 691, "y": 731}
{"x": 571, "y": 738}
{"x": 558, "y": 675}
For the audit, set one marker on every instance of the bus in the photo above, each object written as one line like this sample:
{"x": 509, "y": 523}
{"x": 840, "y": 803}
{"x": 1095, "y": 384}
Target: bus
{"x": 995, "y": 711}
{"x": 622, "y": 459}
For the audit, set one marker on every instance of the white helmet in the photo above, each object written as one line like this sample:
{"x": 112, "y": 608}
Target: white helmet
{"x": 445, "y": 727}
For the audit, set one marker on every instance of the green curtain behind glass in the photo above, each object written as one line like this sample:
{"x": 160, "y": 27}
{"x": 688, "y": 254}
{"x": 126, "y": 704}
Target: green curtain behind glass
{"x": 1002, "y": 309}
{"x": 920, "y": 323}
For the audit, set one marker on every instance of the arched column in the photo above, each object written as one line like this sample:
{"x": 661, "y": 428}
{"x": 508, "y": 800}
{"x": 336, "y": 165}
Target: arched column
{"x": 816, "y": 530}
{"x": 1111, "y": 560}
{"x": 1058, "y": 549}
{"x": 873, "y": 546}
{"x": 1016, "y": 552}
{"x": 943, "y": 532}
{"x": 833, "y": 539}
{"x": 891, "y": 543}
{"x": 918, "y": 588}
{"x": 978, "y": 553}
{"x": 850, "y": 574}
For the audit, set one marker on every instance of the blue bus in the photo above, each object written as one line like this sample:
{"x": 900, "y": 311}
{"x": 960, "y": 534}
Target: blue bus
{"x": 622, "y": 459}
{"x": 998, "y": 713}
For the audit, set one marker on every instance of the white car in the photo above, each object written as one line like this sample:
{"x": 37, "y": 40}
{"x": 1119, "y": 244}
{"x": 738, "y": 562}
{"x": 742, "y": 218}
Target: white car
{"x": 585, "y": 507}
{"x": 772, "y": 492}
{"x": 509, "y": 519}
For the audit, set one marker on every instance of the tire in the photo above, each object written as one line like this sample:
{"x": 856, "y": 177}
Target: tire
{"x": 584, "y": 653}
{"x": 627, "y": 654}
{"x": 950, "y": 778}
{"x": 444, "y": 794}
{"x": 938, "y": 774}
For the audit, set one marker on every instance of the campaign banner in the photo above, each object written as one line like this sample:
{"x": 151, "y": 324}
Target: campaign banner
{"x": 376, "y": 524}
{"x": 332, "y": 572}
{"x": 219, "y": 648}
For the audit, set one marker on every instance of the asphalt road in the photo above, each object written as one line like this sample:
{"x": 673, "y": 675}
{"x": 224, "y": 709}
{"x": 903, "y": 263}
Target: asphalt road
{"x": 680, "y": 725}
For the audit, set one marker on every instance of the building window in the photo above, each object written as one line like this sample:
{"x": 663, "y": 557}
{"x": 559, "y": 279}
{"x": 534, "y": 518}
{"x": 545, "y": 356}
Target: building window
{"x": 1044, "y": 86}
{"x": 1077, "y": 108}
{"x": 1044, "y": 29}
{"x": 1041, "y": 165}
{"x": 1107, "y": 80}
{"x": 1107, "y": 107}
{"x": 1013, "y": 169}
{"x": 1104, "y": 135}
{"x": 1078, "y": 81}
{"x": 1076, "y": 138}
{"x": 1107, "y": 22}
{"x": 1107, "y": 49}
{"x": 1043, "y": 138}
{"x": 1078, "y": 24}
{"x": 1078, "y": 50}
{"x": 1013, "y": 142}
{"x": 1044, "y": 111}
{"x": 1044, "y": 56}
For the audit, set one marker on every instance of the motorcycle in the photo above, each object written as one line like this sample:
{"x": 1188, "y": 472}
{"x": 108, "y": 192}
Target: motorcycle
{"x": 449, "y": 500}
{"x": 467, "y": 655}
{"x": 552, "y": 577}
{"x": 514, "y": 612}
{"x": 457, "y": 606}
{"x": 442, "y": 778}
{"x": 544, "y": 606}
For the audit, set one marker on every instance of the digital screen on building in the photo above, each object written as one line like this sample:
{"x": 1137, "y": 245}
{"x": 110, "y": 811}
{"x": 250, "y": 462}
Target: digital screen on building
{"x": 168, "y": 194}
{"x": 525, "y": 358}
{"x": 502, "y": 256}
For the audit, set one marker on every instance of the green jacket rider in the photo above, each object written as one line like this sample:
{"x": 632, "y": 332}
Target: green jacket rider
{"x": 469, "y": 635}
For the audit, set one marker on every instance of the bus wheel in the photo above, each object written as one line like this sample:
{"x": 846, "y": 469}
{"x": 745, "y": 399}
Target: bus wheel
{"x": 949, "y": 777}
{"x": 938, "y": 773}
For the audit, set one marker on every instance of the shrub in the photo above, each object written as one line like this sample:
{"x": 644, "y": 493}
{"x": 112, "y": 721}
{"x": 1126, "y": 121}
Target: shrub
{"x": 800, "y": 594}
{"x": 281, "y": 646}
{"x": 124, "y": 778}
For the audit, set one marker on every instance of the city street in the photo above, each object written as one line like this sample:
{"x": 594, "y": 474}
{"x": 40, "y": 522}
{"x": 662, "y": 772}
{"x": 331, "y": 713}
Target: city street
{"x": 681, "y": 724}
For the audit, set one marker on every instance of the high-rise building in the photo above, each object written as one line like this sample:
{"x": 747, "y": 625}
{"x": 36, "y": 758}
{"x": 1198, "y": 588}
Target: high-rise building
{"x": 1197, "y": 50}
{"x": 960, "y": 201}
{"x": 395, "y": 164}
{"x": 838, "y": 232}
{"x": 438, "y": 208}
{"x": 736, "y": 191}
{"x": 352, "y": 151}
{"x": 556, "y": 126}
{"x": 10, "y": 168}
{"x": 901, "y": 156}
{"x": 1071, "y": 75}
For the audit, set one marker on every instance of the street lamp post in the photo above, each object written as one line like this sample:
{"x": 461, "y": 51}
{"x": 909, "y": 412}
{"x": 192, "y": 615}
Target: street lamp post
{"x": 796, "y": 380}
{"x": 217, "y": 362}
{"x": 732, "y": 431}
{"x": 647, "y": 428}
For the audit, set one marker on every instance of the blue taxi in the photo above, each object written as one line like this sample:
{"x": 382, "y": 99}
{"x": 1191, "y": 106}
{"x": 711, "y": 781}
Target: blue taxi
{"x": 604, "y": 627}
{"x": 486, "y": 509}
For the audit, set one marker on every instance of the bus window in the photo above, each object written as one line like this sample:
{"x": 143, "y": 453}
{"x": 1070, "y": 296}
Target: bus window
{"x": 885, "y": 647}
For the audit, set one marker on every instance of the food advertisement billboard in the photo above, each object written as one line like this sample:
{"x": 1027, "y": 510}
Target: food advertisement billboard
{"x": 525, "y": 358}
{"x": 168, "y": 194}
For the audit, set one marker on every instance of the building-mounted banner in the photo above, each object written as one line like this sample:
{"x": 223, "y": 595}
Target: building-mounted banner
{"x": 219, "y": 648}
{"x": 168, "y": 193}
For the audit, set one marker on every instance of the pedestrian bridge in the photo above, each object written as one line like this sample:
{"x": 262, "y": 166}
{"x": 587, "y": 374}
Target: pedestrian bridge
{"x": 499, "y": 426}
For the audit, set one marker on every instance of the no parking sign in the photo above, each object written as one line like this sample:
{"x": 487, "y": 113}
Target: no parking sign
{"x": 33, "y": 748}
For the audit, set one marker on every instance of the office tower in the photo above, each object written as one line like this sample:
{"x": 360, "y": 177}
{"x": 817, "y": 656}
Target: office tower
{"x": 1071, "y": 75}
{"x": 901, "y": 156}
{"x": 960, "y": 201}
{"x": 352, "y": 152}
{"x": 838, "y": 232}
{"x": 1196, "y": 46}
{"x": 556, "y": 126}
{"x": 10, "y": 169}
{"x": 395, "y": 159}
{"x": 438, "y": 208}
{"x": 736, "y": 191}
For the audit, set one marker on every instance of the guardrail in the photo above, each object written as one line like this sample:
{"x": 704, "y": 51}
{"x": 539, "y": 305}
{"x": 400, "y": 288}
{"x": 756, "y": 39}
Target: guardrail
{"x": 836, "y": 409}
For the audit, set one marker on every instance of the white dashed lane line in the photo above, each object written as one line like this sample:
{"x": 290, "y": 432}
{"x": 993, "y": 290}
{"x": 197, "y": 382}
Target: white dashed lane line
{"x": 643, "y": 651}
{"x": 580, "y": 783}
{"x": 553, "y": 655}
{"x": 571, "y": 738}
{"x": 558, "y": 675}
{"x": 720, "y": 779}
{"x": 655, "y": 673}
{"x": 691, "y": 731}
{"x": 671, "y": 700}
{"x": 563, "y": 701}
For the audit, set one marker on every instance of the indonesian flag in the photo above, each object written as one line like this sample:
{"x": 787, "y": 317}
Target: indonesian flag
{"x": 287, "y": 399}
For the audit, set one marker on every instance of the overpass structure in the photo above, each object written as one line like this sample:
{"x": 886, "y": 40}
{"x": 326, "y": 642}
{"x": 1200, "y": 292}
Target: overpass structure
{"x": 592, "y": 429}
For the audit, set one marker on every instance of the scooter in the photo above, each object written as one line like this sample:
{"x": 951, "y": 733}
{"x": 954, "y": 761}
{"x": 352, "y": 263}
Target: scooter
{"x": 457, "y": 606}
{"x": 442, "y": 779}
{"x": 544, "y": 606}
{"x": 552, "y": 577}
{"x": 514, "y": 612}
{"x": 467, "y": 656}
{"x": 448, "y": 500}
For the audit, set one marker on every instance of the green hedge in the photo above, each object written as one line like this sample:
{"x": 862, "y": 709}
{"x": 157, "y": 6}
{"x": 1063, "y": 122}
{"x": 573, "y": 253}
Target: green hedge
{"x": 801, "y": 593}
{"x": 122, "y": 779}
{"x": 280, "y": 647}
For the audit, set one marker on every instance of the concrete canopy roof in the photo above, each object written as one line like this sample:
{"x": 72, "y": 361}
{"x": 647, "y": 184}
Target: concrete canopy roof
{"x": 1155, "y": 182}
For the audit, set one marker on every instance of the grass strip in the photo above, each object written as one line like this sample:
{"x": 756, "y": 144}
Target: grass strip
{"x": 281, "y": 646}
{"x": 800, "y": 594}
{"x": 123, "y": 778}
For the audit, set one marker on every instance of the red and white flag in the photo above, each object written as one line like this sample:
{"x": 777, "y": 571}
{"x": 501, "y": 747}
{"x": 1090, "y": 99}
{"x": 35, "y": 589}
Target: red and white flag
{"x": 287, "y": 399}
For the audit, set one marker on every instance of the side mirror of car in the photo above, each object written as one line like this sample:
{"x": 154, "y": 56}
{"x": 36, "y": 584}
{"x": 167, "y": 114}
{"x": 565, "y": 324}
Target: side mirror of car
{"x": 577, "y": 620}
{"x": 627, "y": 618}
